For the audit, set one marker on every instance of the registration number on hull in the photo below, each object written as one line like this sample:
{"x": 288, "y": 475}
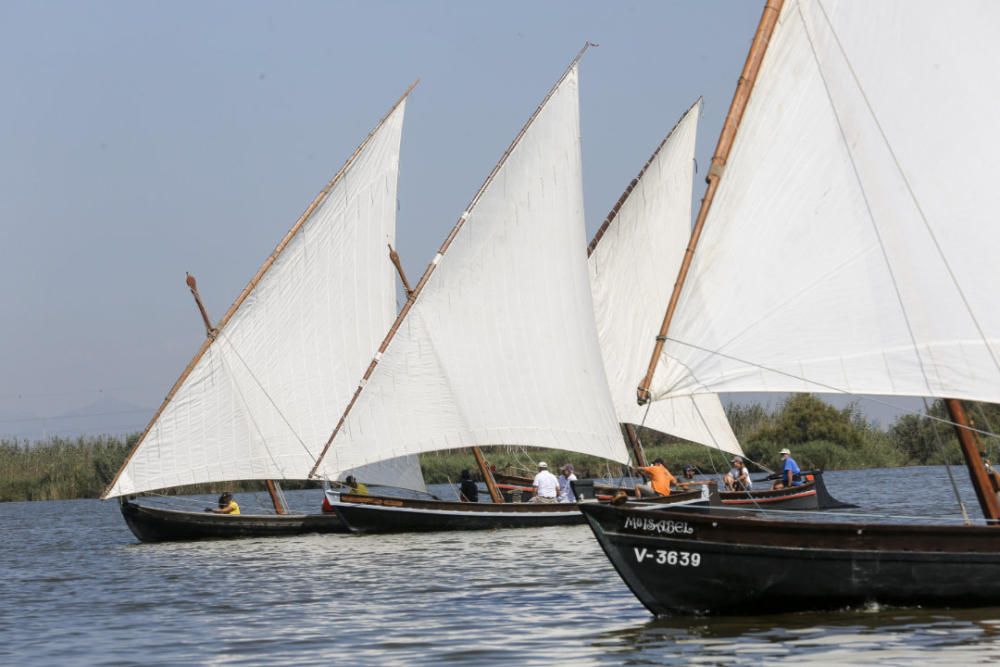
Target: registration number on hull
{"x": 665, "y": 557}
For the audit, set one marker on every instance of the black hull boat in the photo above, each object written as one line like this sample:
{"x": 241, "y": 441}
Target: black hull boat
{"x": 810, "y": 495}
{"x": 679, "y": 561}
{"x": 154, "y": 524}
{"x": 377, "y": 514}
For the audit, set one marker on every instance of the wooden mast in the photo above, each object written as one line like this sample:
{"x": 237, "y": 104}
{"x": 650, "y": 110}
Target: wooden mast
{"x": 487, "y": 474}
{"x": 768, "y": 20}
{"x": 211, "y": 332}
{"x": 633, "y": 442}
{"x": 484, "y": 469}
{"x": 437, "y": 259}
{"x": 316, "y": 202}
{"x": 974, "y": 462}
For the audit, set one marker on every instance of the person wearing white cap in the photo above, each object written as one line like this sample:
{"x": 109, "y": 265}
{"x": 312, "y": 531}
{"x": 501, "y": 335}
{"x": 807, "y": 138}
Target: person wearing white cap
{"x": 789, "y": 471}
{"x": 545, "y": 485}
{"x": 738, "y": 478}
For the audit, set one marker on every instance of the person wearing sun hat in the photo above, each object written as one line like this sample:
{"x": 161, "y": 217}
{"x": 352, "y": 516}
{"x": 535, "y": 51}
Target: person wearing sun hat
{"x": 789, "y": 471}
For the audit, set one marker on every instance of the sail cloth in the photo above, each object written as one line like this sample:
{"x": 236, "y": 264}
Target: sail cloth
{"x": 852, "y": 242}
{"x": 632, "y": 268}
{"x": 262, "y": 399}
{"x": 500, "y": 346}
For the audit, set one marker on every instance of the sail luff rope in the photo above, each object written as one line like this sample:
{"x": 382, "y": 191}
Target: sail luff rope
{"x": 254, "y": 281}
{"x": 411, "y": 300}
{"x": 906, "y": 181}
{"x": 821, "y": 385}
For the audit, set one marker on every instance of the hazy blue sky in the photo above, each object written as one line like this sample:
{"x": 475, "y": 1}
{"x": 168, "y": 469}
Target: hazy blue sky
{"x": 140, "y": 140}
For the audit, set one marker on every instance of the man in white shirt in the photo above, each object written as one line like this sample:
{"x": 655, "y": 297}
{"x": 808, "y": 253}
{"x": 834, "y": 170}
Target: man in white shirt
{"x": 546, "y": 486}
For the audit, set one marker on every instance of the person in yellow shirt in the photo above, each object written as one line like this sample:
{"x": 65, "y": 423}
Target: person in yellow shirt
{"x": 659, "y": 483}
{"x": 226, "y": 505}
{"x": 355, "y": 487}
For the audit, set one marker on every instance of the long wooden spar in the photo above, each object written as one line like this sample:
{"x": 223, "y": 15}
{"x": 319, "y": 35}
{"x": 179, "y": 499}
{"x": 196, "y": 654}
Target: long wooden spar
{"x": 484, "y": 469}
{"x": 412, "y": 298}
{"x": 973, "y": 461}
{"x": 768, "y": 21}
{"x": 316, "y": 202}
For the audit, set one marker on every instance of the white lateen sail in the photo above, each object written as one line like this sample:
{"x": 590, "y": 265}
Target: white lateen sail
{"x": 634, "y": 261}
{"x": 500, "y": 346}
{"x": 260, "y": 400}
{"x": 850, "y": 246}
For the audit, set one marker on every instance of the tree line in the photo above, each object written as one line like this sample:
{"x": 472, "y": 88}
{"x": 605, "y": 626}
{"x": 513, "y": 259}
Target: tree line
{"x": 819, "y": 435}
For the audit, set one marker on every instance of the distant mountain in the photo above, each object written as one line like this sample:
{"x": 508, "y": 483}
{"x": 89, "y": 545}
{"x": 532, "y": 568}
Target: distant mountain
{"x": 107, "y": 415}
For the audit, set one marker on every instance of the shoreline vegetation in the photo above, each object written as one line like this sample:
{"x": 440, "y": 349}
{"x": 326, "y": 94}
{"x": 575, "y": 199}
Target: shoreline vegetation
{"x": 819, "y": 435}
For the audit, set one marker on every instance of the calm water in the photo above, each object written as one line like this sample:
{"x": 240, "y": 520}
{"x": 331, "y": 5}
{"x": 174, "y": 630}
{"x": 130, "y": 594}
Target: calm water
{"x": 77, "y": 589}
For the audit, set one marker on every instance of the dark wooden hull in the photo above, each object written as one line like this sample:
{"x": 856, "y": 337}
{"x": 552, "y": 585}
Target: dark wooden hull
{"x": 377, "y": 514}
{"x": 811, "y": 495}
{"x": 154, "y": 524}
{"x": 680, "y": 561}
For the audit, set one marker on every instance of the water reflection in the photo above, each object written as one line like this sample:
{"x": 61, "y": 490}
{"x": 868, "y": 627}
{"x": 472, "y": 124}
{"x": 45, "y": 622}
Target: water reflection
{"x": 78, "y": 589}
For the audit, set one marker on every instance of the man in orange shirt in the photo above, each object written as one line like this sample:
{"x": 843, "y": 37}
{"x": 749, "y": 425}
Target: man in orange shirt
{"x": 660, "y": 480}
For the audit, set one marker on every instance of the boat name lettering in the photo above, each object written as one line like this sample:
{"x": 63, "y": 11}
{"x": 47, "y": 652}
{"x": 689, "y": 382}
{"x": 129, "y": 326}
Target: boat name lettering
{"x": 661, "y": 526}
{"x": 665, "y": 557}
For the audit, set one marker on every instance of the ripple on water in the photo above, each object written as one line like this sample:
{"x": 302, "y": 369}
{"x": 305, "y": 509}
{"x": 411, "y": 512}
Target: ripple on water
{"x": 78, "y": 590}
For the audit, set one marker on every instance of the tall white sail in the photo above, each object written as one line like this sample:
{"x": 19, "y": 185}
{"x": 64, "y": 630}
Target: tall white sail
{"x": 260, "y": 401}
{"x": 500, "y": 346}
{"x": 633, "y": 264}
{"x": 851, "y": 245}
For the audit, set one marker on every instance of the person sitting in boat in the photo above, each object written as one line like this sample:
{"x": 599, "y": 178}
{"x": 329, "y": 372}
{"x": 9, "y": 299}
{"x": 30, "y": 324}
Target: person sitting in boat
{"x": 738, "y": 478}
{"x": 789, "y": 471}
{"x": 689, "y": 472}
{"x": 659, "y": 483}
{"x": 468, "y": 491}
{"x": 355, "y": 487}
{"x": 545, "y": 485}
{"x": 226, "y": 505}
{"x": 566, "y": 479}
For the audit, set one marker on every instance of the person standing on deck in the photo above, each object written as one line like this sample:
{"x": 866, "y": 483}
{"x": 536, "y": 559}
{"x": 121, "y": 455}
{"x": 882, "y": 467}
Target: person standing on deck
{"x": 468, "y": 491}
{"x": 226, "y": 505}
{"x": 789, "y": 471}
{"x": 545, "y": 485}
{"x": 566, "y": 479}
{"x": 659, "y": 483}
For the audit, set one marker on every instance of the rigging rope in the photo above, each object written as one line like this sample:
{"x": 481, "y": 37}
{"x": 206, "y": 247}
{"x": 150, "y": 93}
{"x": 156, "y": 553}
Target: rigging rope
{"x": 266, "y": 394}
{"x": 829, "y": 388}
{"x": 947, "y": 467}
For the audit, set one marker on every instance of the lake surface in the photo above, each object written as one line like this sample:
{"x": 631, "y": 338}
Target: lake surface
{"x": 76, "y": 588}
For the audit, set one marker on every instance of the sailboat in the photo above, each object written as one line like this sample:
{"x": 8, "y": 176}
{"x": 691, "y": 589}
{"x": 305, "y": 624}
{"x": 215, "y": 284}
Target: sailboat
{"x": 843, "y": 244}
{"x": 497, "y": 344}
{"x": 633, "y": 259}
{"x": 257, "y": 400}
